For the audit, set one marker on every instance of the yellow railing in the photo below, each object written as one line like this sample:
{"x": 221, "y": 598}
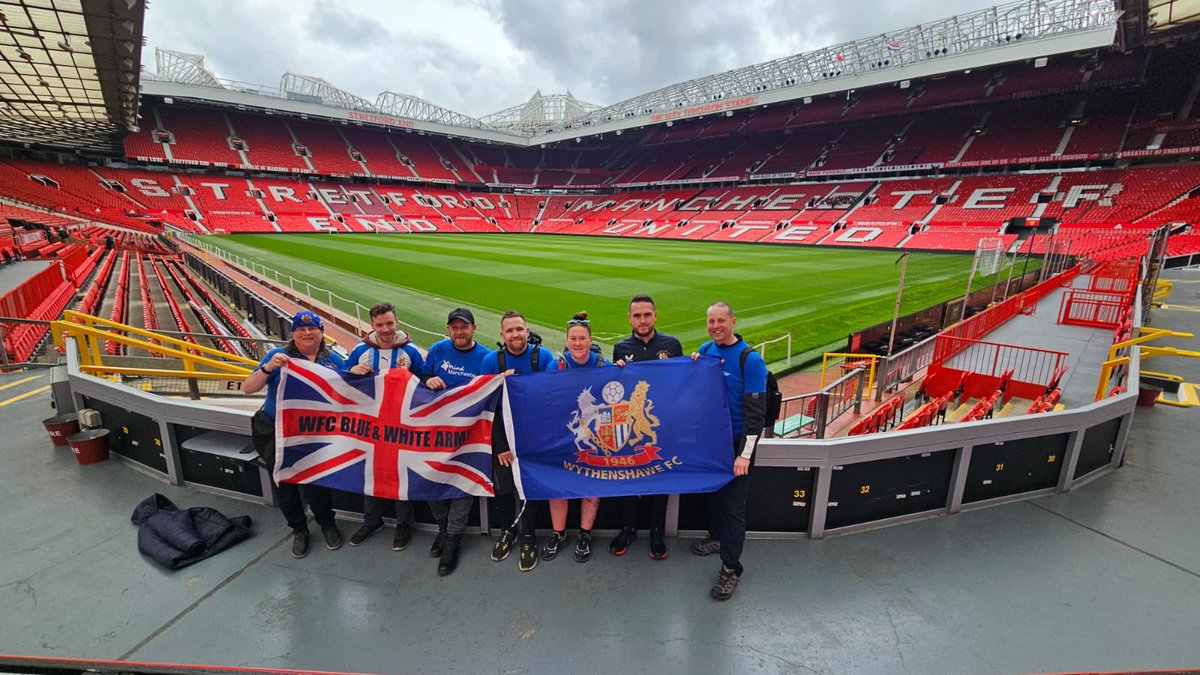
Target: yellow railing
{"x": 1106, "y": 371}
{"x": 91, "y": 332}
{"x": 1148, "y": 334}
{"x": 847, "y": 363}
{"x": 1146, "y": 352}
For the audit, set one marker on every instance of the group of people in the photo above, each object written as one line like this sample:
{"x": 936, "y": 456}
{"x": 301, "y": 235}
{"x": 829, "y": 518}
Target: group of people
{"x": 459, "y": 358}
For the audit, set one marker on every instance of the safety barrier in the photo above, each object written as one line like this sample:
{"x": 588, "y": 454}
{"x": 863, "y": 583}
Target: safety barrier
{"x": 987, "y": 362}
{"x": 846, "y": 363}
{"x": 197, "y": 361}
{"x": 22, "y": 300}
{"x": 992, "y": 318}
{"x": 903, "y": 366}
{"x": 809, "y": 415}
{"x": 1094, "y": 309}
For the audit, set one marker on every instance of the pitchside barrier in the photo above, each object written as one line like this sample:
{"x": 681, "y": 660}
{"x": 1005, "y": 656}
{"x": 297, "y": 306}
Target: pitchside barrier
{"x": 803, "y": 487}
{"x": 986, "y": 362}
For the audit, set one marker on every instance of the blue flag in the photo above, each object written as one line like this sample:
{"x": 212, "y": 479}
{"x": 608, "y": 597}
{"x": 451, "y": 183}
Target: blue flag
{"x": 655, "y": 427}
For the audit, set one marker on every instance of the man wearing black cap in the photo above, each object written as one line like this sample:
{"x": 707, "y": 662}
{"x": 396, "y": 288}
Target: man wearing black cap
{"x": 451, "y": 363}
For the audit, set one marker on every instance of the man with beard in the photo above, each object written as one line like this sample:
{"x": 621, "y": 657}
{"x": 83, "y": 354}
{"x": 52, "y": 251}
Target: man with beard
{"x": 516, "y": 357}
{"x": 451, "y": 363}
{"x": 644, "y": 344}
{"x": 385, "y": 348}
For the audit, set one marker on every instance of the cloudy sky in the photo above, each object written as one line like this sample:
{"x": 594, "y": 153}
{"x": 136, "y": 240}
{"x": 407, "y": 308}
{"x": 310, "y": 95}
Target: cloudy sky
{"x": 481, "y": 56}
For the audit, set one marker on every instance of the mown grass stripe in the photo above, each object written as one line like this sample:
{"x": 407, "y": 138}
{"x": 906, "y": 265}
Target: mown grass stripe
{"x": 819, "y": 295}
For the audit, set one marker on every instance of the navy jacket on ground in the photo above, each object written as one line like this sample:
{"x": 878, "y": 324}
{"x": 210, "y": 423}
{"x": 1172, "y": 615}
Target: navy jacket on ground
{"x": 176, "y": 539}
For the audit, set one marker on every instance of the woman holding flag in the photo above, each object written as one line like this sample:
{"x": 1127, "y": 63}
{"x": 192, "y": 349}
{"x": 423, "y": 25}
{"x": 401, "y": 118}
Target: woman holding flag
{"x": 578, "y": 354}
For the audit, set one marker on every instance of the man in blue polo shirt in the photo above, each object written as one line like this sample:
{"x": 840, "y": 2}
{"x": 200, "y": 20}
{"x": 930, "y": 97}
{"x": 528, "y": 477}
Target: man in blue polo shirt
{"x": 516, "y": 357}
{"x": 452, "y": 363}
{"x": 644, "y": 344}
{"x": 385, "y": 348}
{"x": 745, "y": 392}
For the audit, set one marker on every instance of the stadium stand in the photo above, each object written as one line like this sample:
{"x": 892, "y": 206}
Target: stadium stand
{"x": 269, "y": 145}
{"x": 931, "y": 166}
{"x": 197, "y": 136}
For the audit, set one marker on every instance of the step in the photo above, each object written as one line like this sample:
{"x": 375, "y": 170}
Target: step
{"x": 1185, "y": 396}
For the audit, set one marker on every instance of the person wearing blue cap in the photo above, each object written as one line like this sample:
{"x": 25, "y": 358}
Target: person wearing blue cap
{"x": 307, "y": 342}
{"x": 385, "y": 348}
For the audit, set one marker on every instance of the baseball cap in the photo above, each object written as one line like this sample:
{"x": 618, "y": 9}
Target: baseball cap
{"x": 307, "y": 319}
{"x": 460, "y": 313}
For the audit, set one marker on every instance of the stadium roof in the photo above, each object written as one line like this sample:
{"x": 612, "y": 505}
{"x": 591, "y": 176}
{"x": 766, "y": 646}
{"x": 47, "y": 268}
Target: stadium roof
{"x": 540, "y": 113}
{"x": 69, "y": 72}
{"x": 1017, "y": 31}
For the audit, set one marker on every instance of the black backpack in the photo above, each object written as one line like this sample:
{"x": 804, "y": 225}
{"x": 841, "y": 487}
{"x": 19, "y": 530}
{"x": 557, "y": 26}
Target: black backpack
{"x": 566, "y": 354}
{"x": 534, "y": 358}
{"x": 774, "y": 396}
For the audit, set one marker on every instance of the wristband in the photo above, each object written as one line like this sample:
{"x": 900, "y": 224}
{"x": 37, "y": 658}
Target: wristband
{"x": 748, "y": 448}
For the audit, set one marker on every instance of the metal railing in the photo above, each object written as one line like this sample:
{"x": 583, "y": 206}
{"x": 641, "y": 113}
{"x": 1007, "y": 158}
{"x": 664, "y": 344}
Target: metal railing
{"x": 1034, "y": 366}
{"x": 1094, "y": 309}
{"x": 762, "y": 347}
{"x": 848, "y": 363}
{"x": 314, "y": 293}
{"x": 901, "y": 367}
{"x": 168, "y": 357}
{"x": 809, "y": 415}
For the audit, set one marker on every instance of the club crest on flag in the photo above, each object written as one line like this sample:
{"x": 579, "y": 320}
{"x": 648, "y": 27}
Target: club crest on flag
{"x": 618, "y": 432}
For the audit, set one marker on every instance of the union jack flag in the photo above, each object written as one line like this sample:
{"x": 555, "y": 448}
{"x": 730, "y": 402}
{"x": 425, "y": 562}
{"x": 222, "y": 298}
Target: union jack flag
{"x": 385, "y": 436}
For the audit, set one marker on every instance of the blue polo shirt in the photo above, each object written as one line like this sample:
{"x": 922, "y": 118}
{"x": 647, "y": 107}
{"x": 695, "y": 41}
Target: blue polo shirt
{"x": 567, "y": 363}
{"x": 521, "y": 363}
{"x": 454, "y": 366}
{"x": 737, "y": 383}
{"x": 331, "y": 360}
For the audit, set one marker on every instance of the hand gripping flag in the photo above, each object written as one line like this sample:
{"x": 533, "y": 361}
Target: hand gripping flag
{"x": 655, "y": 427}
{"x": 385, "y": 436}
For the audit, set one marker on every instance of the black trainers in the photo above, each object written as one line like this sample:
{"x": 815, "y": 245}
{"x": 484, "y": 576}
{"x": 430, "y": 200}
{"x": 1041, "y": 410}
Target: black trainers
{"x": 503, "y": 545}
{"x": 333, "y": 536}
{"x": 725, "y": 584}
{"x": 658, "y": 547}
{"x": 583, "y": 547}
{"x": 403, "y": 536}
{"x": 299, "y": 544}
{"x": 558, "y": 541}
{"x": 435, "y": 551}
{"x": 706, "y": 546}
{"x": 449, "y": 555}
{"x": 364, "y": 533}
{"x": 529, "y": 556}
{"x": 620, "y": 544}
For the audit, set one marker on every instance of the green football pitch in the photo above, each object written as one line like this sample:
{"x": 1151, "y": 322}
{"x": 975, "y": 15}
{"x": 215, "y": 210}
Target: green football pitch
{"x": 818, "y": 295}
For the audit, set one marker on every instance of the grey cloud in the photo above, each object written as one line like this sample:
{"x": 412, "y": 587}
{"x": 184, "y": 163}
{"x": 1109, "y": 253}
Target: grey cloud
{"x": 613, "y": 51}
{"x": 329, "y": 23}
{"x": 604, "y": 52}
